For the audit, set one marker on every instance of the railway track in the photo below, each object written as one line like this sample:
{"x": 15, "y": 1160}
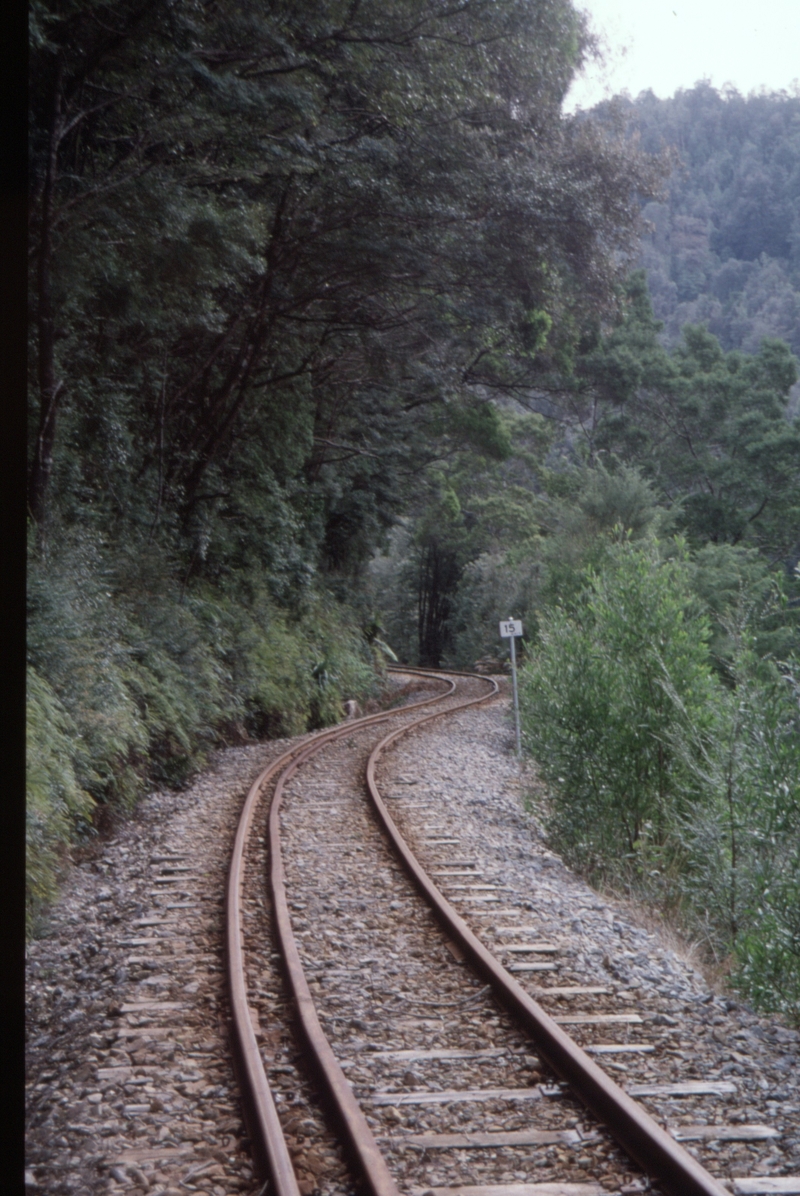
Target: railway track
{"x": 429, "y": 1020}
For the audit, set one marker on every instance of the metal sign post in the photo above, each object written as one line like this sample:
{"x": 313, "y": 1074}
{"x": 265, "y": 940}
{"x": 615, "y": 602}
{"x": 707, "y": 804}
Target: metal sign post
{"x": 509, "y": 630}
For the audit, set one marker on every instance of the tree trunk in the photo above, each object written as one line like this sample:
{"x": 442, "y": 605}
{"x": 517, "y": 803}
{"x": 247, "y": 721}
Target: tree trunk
{"x": 439, "y": 575}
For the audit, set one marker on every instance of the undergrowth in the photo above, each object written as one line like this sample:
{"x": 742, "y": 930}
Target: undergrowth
{"x": 132, "y": 680}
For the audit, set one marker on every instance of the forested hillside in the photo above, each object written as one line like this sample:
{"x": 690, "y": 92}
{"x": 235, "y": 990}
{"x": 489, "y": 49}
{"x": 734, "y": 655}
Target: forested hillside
{"x": 724, "y": 247}
{"x": 336, "y": 352}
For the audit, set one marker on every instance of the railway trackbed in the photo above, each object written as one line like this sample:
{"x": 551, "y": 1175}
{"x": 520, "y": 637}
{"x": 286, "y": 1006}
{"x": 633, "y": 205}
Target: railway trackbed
{"x": 134, "y": 1094}
{"x": 433, "y": 1031}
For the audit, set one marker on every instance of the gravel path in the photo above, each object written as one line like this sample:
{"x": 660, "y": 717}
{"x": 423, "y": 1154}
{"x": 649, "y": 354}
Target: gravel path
{"x": 130, "y": 1084}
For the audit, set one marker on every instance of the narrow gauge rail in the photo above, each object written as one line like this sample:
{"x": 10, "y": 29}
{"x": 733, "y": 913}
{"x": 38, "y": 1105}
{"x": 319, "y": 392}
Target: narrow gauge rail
{"x": 661, "y": 1157}
{"x": 269, "y": 1146}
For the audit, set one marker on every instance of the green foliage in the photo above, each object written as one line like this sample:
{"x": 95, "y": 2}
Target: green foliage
{"x": 741, "y": 881}
{"x": 584, "y": 514}
{"x": 272, "y": 321}
{"x": 711, "y": 430}
{"x": 490, "y": 585}
{"x": 475, "y": 519}
{"x": 535, "y": 327}
{"x": 143, "y": 680}
{"x": 737, "y": 586}
{"x": 56, "y": 805}
{"x": 75, "y": 641}
{"x": 292, "y": 676}
{"x": 483, "y": 428}
{"x": 665, "y": 777}
{"x": 596, "y": 713}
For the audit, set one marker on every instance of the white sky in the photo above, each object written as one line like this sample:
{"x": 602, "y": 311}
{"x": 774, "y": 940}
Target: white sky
{"x": 668, "y": 44}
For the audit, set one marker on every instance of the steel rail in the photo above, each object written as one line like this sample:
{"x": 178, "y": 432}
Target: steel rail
{"x": 261, "y": 1117}
{"x": 359, "y": 1137}
{"x": 656, "y": 1151}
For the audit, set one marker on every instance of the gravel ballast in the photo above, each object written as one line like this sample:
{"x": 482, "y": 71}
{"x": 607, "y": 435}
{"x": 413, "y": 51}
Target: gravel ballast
{"x": 130, "y": 1082}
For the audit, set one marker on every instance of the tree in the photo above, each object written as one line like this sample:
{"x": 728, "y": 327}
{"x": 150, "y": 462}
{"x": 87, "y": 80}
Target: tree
{"x": 711, "y": 429}
{"x": 376, "y": 238}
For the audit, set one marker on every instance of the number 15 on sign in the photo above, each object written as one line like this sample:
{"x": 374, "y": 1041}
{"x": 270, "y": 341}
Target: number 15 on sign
{"x": 510, "y": 629}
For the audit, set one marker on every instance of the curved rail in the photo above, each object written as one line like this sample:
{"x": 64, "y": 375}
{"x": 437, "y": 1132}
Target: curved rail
{"x": 660, "y": 1156}
{"x": 357, "y": 1132}
{"x": 261, "y": 1116}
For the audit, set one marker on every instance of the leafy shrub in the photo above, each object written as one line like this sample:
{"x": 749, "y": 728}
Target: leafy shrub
{"x": 79, "y": 639}
{"x": 666, "y": 777}
{"x": 292, "y": 675}
{"x": 598, "y": 719}
{"x": 735, "y": 581}
{"x": 742, "y": 877}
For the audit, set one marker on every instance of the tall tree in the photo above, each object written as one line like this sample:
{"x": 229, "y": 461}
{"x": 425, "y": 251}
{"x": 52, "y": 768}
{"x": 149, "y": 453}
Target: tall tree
{"x": 290, "y": 237}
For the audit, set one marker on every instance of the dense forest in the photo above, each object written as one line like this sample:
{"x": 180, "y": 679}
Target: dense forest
{"x": 339, "y": 351}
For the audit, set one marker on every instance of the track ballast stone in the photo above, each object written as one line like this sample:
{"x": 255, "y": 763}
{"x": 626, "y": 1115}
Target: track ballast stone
{"x": 130, "y": 1082}
{"x": 471, "y": 775}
